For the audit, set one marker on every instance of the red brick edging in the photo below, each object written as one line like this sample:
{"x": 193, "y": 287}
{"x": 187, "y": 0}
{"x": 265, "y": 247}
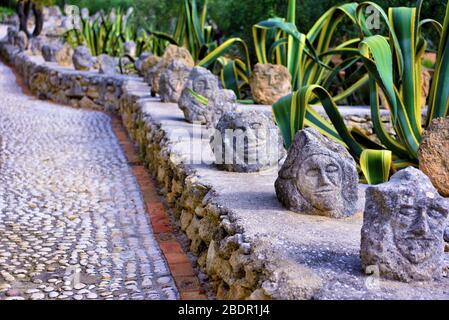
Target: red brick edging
{"x": 180, "y": 266}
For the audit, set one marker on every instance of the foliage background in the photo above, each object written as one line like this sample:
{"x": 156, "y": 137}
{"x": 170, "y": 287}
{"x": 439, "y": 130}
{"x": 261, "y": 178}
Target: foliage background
{"x": 234, "y": 18}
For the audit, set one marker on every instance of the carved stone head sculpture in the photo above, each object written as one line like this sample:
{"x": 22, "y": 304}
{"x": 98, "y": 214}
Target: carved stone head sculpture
{"x": 82, "y": 59}
{"x": 140, "y": 61}
{"x": 203, "y": 85}
{"x": 11, "y": 35}
{"x": 403, "y": 228}
{"x": 246, "y": 142}
{"x": 171, "y": 54}
{"x": 318, "y": 177}
{"x": 223, "y": 101}
{"x": 269, "y": 83}
{"x": 173, "y": 80}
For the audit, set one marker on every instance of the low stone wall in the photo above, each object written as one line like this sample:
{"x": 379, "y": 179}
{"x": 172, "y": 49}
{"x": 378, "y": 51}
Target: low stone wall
{"x": 249, "y": 246}
{"x": 64, "y": 85}
{"x": 218, "y": 243}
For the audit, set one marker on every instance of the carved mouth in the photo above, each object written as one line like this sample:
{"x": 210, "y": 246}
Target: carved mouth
{"x": 419, "y": 239}
{"x": 324, "y": 191}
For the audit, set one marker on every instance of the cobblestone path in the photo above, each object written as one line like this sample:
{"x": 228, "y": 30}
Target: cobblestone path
{"x": 73, "y": 224}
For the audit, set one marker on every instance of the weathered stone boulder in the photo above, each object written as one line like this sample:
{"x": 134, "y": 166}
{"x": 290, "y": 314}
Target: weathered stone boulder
{"x": 402, "y": 234}
{"x": 223, "y": 101}
{"x": 49, "y": 51}
{"x": 269, "y": 83}
{"x": 82, "y": 59}
{"x": 434, "y": 154}
{"x": 22, "y": 40}
{"x": 7, "y": 19}
{"x": 426, "y": 79}
{"x": 171, "y": 54}
{"x": 246, "y": 142}
{"x": 12, "y": 35}
{"x": 173, "y": 80}
{"x": 64, "y": 55}
{"x": 36, "y": 44}
{"x": 148, "y": 67}
{"x": 319, "y": 177}
{"x": 139, "y": 61}
{"x": 107, "y": 64}
{"x": 202, "y": 101}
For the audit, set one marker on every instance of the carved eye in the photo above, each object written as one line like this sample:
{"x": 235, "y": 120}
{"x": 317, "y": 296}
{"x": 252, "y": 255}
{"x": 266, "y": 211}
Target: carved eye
{"x": 435, "y": 213}
{"x": 331, "y": 168}
{"x": 312, "y": 173}
{"x": 407, "y": 211}
{"x": 255, "y": 126}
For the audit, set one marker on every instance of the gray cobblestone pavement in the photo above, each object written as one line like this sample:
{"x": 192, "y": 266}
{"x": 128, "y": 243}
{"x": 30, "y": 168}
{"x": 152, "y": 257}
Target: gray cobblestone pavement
{"x": 72, "y": 221}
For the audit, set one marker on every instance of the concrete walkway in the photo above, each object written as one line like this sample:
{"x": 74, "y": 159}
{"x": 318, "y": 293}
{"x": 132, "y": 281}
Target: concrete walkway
{"x": 73, "y": 223}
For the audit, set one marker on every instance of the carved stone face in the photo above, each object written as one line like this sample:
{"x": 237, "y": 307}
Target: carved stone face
{"x": 319, "y": 180}
{"x": 418, "y": 227}
{"x": 269, "y": 83}
{"x": 172, "y": 81}
{"x": 171, "y": 54}
{"x": 403, "y": 228}
{"x": 223, "y": 101}
{"x": 319, "y": 177}
{"x": 250, "y": 142}
{"x": 205, "y": 85}
{"x": 202, "y": 82}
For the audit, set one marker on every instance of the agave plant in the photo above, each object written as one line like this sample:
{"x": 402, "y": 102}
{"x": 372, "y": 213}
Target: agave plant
{"x": 107, "y": 34}
{"x": 191, "y": 30}
{"x": 394, "y": 65}
{"x": 307, "y": 56}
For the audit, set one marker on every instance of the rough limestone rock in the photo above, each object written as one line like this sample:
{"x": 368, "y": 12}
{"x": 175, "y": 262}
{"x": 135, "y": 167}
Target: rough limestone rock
{"x": 49, "y": 51}
{"x": 12, "y": 35}
{"x": 426, "y": 79}
{"x": 269, "y": 83}
{"x": 173, "y": 80}
{"x": 171, "y": 54}
{"x": 22, "y": 40}
{"x": 148, "y": 67}
{"x": 202, "y": 82}
{"x": 107, "y": 64}
{"x": 36, "y": 44}
{"x": 82, "y": 59}
{"x": 434, "y": 154}
{"x": 140, "y": 61}
{"x": 446, "y": 235}
{"x": 223, "y": 101}
{"x": 319, "y": 177}
{"x": 246, "y": 142}
{"x": 402, "y": 234}
{"x": 64, "y": 56}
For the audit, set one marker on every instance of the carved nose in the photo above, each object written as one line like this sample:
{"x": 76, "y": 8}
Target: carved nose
{"x": 421, "y": 227}
{"x": 324, "y": 180}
